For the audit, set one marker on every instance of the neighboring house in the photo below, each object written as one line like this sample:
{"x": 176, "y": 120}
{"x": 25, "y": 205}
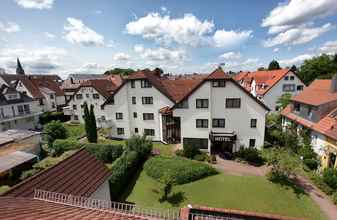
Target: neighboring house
{"x": 270, "y": 85}
{"x": 93, "y": 92}
{"x": 81, "y": 174}
{"x": 17, "y": 110}
{"x": 315, "y": 109}
{"x": 71, "y": 84}
{"x": 211, "y": 111}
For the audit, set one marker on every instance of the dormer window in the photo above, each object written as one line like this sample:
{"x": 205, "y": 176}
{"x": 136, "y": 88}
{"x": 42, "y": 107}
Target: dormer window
{"x": 12, "y": 96}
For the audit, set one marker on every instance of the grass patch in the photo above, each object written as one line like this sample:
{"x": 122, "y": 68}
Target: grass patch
{"x": 181, "y": 170}
{"x": 164, "y": 149}
{"x": 75, "y": 130}
{"x": 224, "y": 191}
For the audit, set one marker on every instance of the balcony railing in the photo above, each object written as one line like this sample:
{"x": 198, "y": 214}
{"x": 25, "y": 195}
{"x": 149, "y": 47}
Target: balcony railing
{"x": 104, "y": 205}
{"x": 25, "y": 114}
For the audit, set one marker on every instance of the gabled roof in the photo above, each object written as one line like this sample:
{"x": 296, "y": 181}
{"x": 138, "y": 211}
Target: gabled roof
{"x": 104, "y": 86}
{"x": 317, "y": 93}
{"x": 80, "y": 174}
{"x": 267, "y": 78}
{"x": 36, "y": 209}
{"x": 5, "y": 90}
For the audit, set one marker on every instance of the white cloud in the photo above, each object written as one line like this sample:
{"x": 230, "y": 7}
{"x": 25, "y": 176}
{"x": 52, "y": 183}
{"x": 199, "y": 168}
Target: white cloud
{"x": 139, "y": 48}
{"x": 275, "y": 50}
{"x": 298, "y": 35}
{"x": 49, "y": 35}
{"x": 35, "y": 4}
{"x": 9, "y": 27}
{"x": 91, "y": 68}
{"x": 163, "y": 9}
{"x": 231, "y": 56}
{"x": 121, "y": 57}
{"x": 277, "y": 29}
{"x": 231, "y": 38}
{"x": 78, "y": 33}
{"x": 111, "y": 44}
{"x": 296, "y": 12}
{"x": 163, "y": 55}
{"x": 296, "y": 60}
{"x": 329, "y": 47}
{"x": 43, "y": 60}
{"x": 188, "y": 30}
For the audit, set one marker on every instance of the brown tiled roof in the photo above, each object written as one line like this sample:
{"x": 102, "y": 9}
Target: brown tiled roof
{"x": 317, "y": 93}
{"x": 268, "y": 78}
{"x": 218, "y": 74}
{"x": 33, "y": 209}
{"x": 80, "y": 174}
{"x": 47, "y": 83}
{"x": 104, "y": 86}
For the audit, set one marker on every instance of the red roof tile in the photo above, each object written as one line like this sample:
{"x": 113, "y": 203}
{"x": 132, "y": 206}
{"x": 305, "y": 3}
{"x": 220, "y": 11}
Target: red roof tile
{"x": 268, "y": 78}
{"x": 217, "y": 74}
{"x": 317, "y": 93}
{"x": 33, "y": 209}
{"x": 104, "y": 86}
{"x": 80, "y": 174}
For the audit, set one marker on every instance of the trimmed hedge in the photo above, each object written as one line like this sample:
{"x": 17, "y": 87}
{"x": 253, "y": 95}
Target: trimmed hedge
{"x": 141, "y": 144}
{"x": 122, "y": 170}
{"x": 53, "y": 116}
{"x": 105, "y": 152}
{"x": 251, "y": 155}
{"x": 181, "y": 170}
{"x": 62, "y": 145}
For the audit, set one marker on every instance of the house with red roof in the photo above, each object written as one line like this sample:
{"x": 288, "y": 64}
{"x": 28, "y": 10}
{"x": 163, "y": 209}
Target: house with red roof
{"x": 211, "y": 111}
{"x": 93, "y": 92}
{"x": 315, "y": 108}
{"x": 269, "y": 85}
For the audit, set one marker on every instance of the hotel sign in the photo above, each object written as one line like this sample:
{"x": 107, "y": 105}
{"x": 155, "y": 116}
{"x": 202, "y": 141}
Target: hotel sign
{"x": 222, "y": 139}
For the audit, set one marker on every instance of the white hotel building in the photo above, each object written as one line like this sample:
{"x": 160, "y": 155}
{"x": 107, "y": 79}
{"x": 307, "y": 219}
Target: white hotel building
{"x": 211, "y": 111}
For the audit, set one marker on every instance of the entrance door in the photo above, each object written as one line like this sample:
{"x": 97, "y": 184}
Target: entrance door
{"x": 223, "y": 149}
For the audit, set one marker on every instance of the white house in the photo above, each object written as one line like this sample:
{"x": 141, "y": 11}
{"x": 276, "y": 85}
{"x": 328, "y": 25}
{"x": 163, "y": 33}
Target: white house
{"x": 17, "y": 110}
{"x": 270, "y": 85}
{"x": 93, "y": 92}
{"x": 212, "y": 111}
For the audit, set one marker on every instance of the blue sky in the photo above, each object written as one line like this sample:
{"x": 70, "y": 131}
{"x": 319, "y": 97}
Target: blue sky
{"x": 90, "y": 36}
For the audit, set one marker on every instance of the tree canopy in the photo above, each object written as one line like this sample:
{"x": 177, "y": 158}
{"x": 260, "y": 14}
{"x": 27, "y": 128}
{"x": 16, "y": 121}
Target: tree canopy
{"x": 274, "y": 65}
{"x": 320, "y": 67}
{"x": 119, "y": 71}
{"x": 90, "y": 123}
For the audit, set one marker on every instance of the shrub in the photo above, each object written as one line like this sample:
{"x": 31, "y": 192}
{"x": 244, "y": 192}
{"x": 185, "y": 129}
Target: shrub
{"x": 312, "y": 164}
{"x": 330, "y": 177}
{"x": 307, "y": 152}
{"x": 251, "y": 155}
{"x": 200, "y": 157}
{"x": 212, "y": 159}
{"x": 319, "y": 182}
{"x": 180, "y": 153}
{"x": 122, "y": 171}
{"x": 4, "y": 188}
{"x": 28, "y": 173}
{"x": 334, "y": 198}
{"x": 141, "y": 144}
{"x": 62, "y": 145}
{"x": 105, "y": 152}
{"x": 181, "y": 170}
{"x": 190, "y": 150}
{"x": 53, "y": 116}
{"x": 54, "y": 130}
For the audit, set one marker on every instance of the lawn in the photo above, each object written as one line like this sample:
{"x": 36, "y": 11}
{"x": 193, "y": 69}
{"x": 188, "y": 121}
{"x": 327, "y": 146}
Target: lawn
{"x": 164, "y": 149}
{"x": 75, "y": 130}
{"x": 224, "y": 191}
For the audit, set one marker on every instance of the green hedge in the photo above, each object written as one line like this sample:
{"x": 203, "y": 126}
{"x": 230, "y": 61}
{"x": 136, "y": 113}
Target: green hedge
{"x": 62, "y": 145}
{"x": 53, "y": 116}
{"x": 180, "y": 169}
{"x": 105, "y": 152}
{"x": 122, "y": 170}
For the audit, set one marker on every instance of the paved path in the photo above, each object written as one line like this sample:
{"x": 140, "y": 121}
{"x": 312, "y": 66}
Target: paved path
{"x": 321, "y": 199}
{"x": 239, "y": 169}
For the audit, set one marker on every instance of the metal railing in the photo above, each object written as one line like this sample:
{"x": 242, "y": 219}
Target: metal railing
{"x": 195, "y": 216}
{"x": 104, "y": 205}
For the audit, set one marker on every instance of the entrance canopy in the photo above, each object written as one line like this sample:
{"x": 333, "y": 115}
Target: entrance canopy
{"x": 222, "y": 136}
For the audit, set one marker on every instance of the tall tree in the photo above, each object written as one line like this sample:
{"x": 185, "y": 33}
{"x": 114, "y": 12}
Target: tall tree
{"x": 19, "y": 69}
{"x": 86, "y": 118}
{"x": 93, "y": 126}
{"x": 119, "y": 71}
{"x": 274, "y": 65}
{"x": 293, "y": 68}
{"x": 320, "y": 67}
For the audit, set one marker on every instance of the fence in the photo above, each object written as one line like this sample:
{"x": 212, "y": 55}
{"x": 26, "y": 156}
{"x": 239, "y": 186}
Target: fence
{"x": 117, "y": 207}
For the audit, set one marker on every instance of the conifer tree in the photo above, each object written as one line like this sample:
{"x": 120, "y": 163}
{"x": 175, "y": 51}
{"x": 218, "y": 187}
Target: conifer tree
{"x": 93, "y": 127}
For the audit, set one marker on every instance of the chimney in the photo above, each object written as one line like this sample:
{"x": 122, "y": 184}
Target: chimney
{"x": 333, "y": 86}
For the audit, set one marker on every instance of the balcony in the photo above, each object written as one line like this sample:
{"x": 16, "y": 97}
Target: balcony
{"x": 21, "y": 115}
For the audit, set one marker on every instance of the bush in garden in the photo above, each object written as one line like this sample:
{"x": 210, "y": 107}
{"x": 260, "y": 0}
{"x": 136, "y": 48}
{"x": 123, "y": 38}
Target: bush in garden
{"x": 330, "y": 177}
{"x": 141, "y": 144}
{"x": 180, "y": 153}
{"x": 334, "y": 198}
{"x": 251, "y": 155}
{"x": 312, "y": 164}
{"x": 307, "y": 152}
{"x": 319, "y": 182}
{"x": 167, "y": 181}
{"x": 53, "y": 116}
{"x": 54, "y": 130}
{"x": 190, "y": 150}
{"x": 62, "y": 145}
{"x": 106, "y": 153}
{"x": 122, "y": 171}
{"x": 181, "y": 170}
{"x": 28, "y": 173}
{"x": 200, "y": 157}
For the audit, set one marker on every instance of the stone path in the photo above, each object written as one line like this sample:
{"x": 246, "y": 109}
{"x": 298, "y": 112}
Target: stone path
{"x": 322, "y": 200}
